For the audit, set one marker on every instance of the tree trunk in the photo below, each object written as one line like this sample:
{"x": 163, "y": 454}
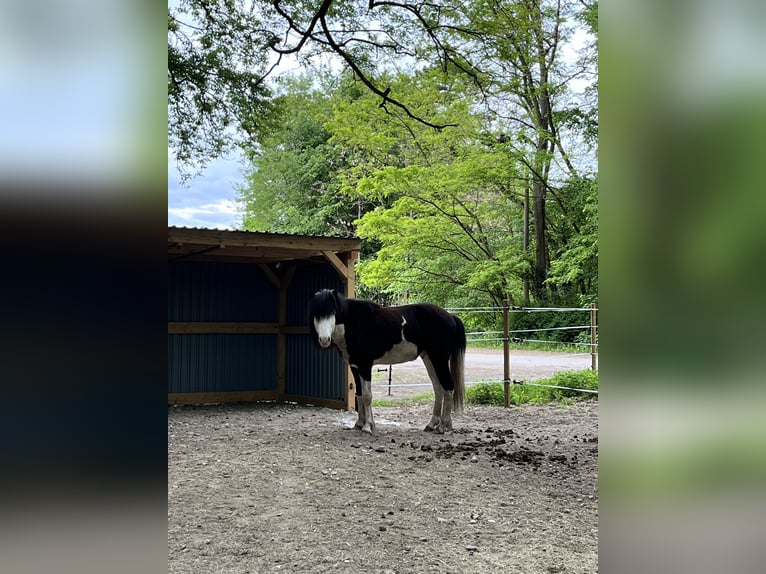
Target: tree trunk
{"x": 540, "y": 272}
{"x": 525, "y": 244}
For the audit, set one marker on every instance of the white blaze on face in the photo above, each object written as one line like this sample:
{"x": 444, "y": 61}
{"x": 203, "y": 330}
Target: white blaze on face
{"x": 324, "y": 327}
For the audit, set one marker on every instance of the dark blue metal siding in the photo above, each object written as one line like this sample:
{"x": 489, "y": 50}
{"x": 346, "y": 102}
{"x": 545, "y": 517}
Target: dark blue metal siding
{"x": 207, "y": 291}
{"x": 212, "y": 291}
{"x": 201, "y": 291}
{"x": 314, "y": 372}
{"x": 307, "y": 281}
{"x": 221, "y": 362}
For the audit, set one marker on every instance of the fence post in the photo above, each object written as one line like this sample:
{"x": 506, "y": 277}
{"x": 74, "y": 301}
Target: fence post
{"x": 592, "y": 336}
{"x": 506, "y": 355}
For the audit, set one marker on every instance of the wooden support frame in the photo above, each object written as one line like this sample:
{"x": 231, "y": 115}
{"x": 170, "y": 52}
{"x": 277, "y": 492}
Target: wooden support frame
{"x": 220, "y": 397}
{"x": 212, "y": 327}
{"x": 208, "y": 327}
{"x": 346, "y": 270}
{"x": 278, "y": 256}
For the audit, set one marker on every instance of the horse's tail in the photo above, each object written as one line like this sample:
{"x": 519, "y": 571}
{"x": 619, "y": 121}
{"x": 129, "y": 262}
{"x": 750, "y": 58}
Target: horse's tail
{"x": 456, "y": 362}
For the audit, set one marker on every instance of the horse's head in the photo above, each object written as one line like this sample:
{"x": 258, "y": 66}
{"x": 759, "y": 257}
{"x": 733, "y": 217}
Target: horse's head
{"x": 323, "y": 309}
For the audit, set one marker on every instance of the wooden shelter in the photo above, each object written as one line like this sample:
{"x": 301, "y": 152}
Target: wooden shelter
{"x": 237, "y": 326}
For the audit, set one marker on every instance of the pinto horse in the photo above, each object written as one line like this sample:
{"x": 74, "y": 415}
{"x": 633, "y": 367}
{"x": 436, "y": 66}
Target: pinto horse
{"x": 367, "y": 334}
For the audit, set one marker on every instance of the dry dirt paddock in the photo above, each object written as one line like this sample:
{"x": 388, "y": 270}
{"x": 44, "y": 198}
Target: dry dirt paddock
{"x": 284, "y": 488}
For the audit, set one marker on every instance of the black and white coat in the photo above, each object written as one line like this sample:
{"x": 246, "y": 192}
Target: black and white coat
{"x": 368, "y": 334}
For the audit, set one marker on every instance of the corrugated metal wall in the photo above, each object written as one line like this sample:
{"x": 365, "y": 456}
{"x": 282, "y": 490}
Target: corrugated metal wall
{"x": 307, "y": 281}
{"x": 312, "y": 371}
{"x": 218, "y": 363}
{"x": 202, "y": 291}
{"x": 206, "y": 291}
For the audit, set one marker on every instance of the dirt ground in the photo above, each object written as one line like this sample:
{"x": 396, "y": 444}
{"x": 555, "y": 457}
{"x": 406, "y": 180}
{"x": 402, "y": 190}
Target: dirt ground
{"x": 272, "y": 488}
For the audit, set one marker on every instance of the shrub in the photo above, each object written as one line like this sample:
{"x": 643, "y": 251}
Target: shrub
{"x": 493, "y": 394}
{"x": 585, "y": 379}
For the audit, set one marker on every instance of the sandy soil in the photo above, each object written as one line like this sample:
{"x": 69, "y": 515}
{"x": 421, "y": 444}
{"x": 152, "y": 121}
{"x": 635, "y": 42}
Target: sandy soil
{"x": 284, "y": 488}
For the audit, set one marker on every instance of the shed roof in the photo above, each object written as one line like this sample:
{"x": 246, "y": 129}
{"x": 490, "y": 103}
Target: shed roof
{"x": 197, "y": 244}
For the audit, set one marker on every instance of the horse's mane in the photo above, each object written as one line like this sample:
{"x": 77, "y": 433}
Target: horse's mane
{"x": 345, "y": 304}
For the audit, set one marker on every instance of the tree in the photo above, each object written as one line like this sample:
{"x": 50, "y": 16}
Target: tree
{"x": 574, "y": 267}
{"x": 527, "y": 93}
{"x": 293, "y": 185}
{"x": 433, "y": 161}
{"x": 449, "y": 215}
{"x": 222, "y": 52}
{"x": 218, "y": 59}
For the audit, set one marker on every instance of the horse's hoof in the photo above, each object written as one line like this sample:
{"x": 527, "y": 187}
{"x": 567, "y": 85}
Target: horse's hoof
{"x": 429, "y": 428}
{"x": 367, "y": 429}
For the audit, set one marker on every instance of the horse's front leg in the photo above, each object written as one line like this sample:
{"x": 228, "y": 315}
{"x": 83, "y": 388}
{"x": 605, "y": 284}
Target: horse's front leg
{"x": 364, "y": 421}
{"x": 360, "y": 410}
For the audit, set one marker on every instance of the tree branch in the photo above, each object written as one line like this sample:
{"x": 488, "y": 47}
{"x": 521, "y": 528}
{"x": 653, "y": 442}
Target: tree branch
{"x": 367, "y": 82}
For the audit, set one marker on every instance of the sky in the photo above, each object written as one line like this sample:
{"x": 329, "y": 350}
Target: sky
{"x": 208, "y": 200}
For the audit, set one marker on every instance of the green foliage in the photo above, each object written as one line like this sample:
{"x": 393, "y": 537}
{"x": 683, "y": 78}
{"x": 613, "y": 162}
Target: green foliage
{"x": 442, "y": 211}
{"x": 222, "y": 53}
{"x": 574, "y": 270}
{"x": 217, "y": 96}
{"x": 294, "y": 184}
{"x": 485, "y": 394}
{"x": 585, "y": 379}
{"x": 551, "y": 320}
{"x": 493, "y": 393}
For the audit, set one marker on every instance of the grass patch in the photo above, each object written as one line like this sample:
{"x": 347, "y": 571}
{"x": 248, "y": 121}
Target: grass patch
{"x": 492, "y": 393}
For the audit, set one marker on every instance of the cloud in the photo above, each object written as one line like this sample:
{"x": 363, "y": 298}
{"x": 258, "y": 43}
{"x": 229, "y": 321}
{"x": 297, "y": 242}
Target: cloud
{"x": 221, "y": 215}
{"x": 208, "y": 200}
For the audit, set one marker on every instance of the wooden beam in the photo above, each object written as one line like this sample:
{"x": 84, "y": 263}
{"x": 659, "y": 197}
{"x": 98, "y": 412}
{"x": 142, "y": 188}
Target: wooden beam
{"x": 350, "y": 280}
{"x": 295, "y": 330}
{"x": 202, "y": 327}
{"x": 220, "y": 397}
{"x": 270, "y": 274}
{"x": 253, "y": 239}
{"x": 288, "y": 275}
{"x": 340, "y": 267}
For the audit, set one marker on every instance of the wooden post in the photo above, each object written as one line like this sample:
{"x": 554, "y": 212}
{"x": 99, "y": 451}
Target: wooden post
{"x": 350, "y": 279}
{"x": 506, "y": 355}
{"x": 346, "y": 270}
{"x": 593, "y": 364}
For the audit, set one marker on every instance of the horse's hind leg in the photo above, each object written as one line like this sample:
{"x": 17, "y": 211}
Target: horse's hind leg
{"x": 441, "y": 420}
{"x": 447, "y": 411}
{"x": 368, "y": 424}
